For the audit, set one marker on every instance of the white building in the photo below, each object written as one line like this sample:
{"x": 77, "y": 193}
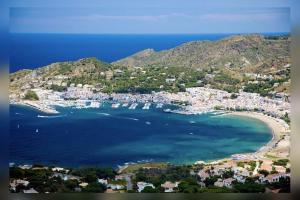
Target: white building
{"x": 115, "y": 186}
{"x": 169, "y": 186}
{"x": 142, "y": 185}
{"x": 102, "y": 181}
{"x": 203, "y": 175}
{"x": 30, "y": 191}
{"x": 219, "y": 183}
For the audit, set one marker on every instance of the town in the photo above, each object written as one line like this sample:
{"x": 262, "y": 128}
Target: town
{"x": 193, "y": 100}
{"x": 225, "y": 176}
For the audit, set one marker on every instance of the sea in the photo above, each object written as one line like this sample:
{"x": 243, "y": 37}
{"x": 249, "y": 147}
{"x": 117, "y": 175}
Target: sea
{"x": 109, "y": 136}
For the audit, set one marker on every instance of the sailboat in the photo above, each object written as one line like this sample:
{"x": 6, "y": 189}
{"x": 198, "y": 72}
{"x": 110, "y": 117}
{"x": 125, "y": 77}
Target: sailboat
{"x": 37, "y": 130}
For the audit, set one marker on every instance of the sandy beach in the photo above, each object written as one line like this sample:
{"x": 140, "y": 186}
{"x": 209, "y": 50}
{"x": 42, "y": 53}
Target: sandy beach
{"x": 279, "y": 129}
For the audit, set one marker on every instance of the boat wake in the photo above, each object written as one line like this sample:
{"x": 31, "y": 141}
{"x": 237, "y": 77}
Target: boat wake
{"x": 106, "y": 114}
{"x": 50, "y": 116}
{"x": 219, "y": 115}
{"x": 130, "y": 118}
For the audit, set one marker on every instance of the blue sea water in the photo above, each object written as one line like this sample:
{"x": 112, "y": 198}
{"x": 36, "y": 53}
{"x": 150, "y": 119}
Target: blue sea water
{"x": 111, "y": 137}
{"x": 36, "y": 50}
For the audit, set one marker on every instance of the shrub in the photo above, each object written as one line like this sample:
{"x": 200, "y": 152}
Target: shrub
{"x": 31, "y": 95}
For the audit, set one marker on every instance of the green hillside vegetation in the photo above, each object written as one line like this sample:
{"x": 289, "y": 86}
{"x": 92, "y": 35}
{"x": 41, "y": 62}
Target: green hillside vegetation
{"x": 31, "y": 95}
{"x": 220, "y": 65}
{"x": 240, "y": 52}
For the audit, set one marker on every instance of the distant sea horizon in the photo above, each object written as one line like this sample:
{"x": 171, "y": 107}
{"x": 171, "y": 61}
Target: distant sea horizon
{"x": 34, "y": 50}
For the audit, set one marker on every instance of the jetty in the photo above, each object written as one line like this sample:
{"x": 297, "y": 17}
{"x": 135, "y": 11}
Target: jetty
{"x": 147, "y": 106}
{"x": 133, "y": 106}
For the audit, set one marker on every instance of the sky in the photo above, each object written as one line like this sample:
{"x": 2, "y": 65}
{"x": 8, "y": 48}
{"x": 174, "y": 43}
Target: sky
{"x": 153, "y": 17}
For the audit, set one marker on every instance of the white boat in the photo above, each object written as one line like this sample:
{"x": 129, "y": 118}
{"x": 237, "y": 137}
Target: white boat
{"x": 115, "y": 105}
{"x": 95, "y": 104}
{"x": 159, "y": 105}
{"x": 37, "y": 130}
{"x": 147, "y": 106}
{"x": 125, "y": 105}
{"x": 133, "y": 106}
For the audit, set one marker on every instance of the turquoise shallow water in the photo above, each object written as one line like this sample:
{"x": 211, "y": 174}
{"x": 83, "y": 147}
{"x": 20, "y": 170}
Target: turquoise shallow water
{"x": 106, "y": 136}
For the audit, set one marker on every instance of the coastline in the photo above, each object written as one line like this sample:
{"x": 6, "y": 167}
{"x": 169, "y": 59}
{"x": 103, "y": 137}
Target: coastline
{"x": 277, "y": 126}
{"x": 37, "y": 106}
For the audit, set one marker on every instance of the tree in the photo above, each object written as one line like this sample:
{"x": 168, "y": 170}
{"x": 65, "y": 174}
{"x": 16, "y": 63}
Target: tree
{"x": 20, "y": 187}
{"x": 188, "y": 185}
{"x": 286, "y": 118}
{"x": 283, "y": 184}
{"x": 91, "y": 177}
{"x": 233, "y": 96}
{"x": 140, "y": 176}
{"x": 16, "y": 172}
{"x": 240, "y": 164}
{"x": 149, "y": 189}
{"x": 214, "y": 189}
{"x": 31, "y": 95}
{"x": 228, "y": 174}
{"x": 249, "y": 187}
{"x": 71, "y": 184}
{"x": 58, "y": 88}
{"x": 94, "y": 188}
{"x": 252, "y": 164}
{"x": 211, "y": 180}
{"x": 264, "y": 172}
{"x": 281, "y": 162}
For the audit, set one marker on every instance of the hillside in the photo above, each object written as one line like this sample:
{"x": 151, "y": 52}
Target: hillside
{"x": 244, "y": 53}
{"x": 252, "y": 62}
{"x": 87, "y": 69}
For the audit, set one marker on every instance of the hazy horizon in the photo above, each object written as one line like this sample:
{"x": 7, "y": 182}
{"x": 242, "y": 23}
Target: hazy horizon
{"x": 137, "y": 18}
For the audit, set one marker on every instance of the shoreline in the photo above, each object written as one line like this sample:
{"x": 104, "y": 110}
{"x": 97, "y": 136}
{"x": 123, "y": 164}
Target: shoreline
{"x": 37, "y": 106}
{"x": 277, "y": 127}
